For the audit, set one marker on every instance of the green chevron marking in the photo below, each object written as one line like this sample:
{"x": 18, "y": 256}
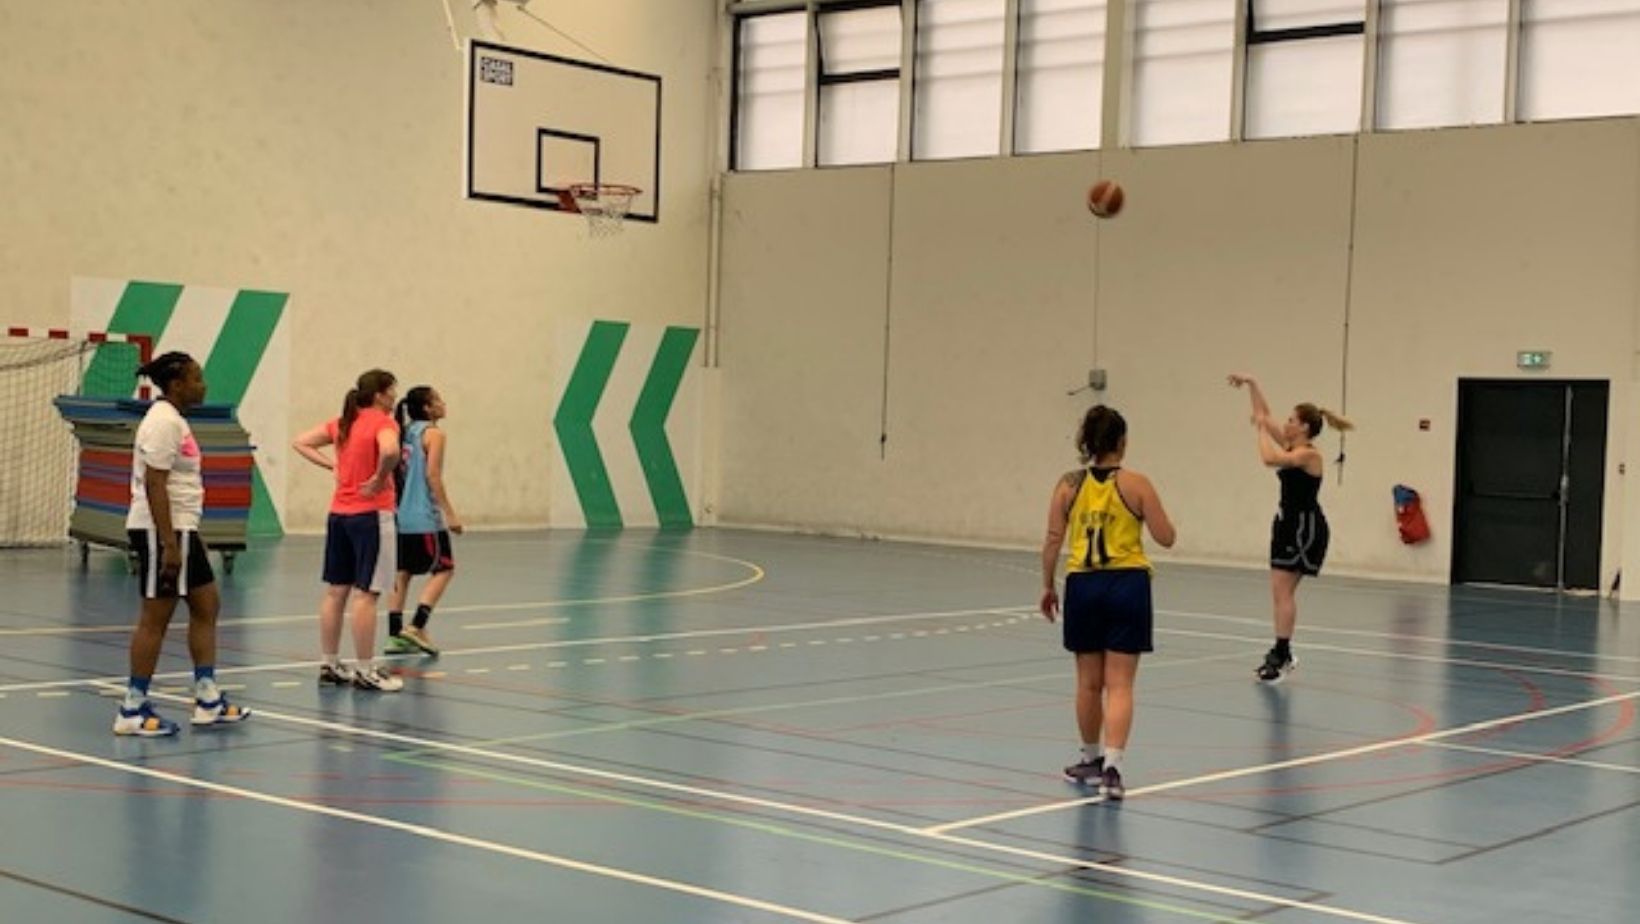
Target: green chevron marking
{"x": 573, "y": 424}
{"x": 648, "y": 427}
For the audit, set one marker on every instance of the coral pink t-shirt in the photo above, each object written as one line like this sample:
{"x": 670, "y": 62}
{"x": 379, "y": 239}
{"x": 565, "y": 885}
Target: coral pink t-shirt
{"x": 356, "y": 463}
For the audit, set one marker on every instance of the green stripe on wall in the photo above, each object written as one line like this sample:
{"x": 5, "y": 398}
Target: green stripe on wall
{"x": 238, "y": 351}
{"x": 144, "y": 308}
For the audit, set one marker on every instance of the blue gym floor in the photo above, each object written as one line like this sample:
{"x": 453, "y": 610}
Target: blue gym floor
{"x": 730, "y": 726}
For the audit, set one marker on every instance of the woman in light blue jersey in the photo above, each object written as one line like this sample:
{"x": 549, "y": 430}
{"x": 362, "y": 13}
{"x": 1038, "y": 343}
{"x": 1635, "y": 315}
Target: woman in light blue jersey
{"x": 426, "y": 520}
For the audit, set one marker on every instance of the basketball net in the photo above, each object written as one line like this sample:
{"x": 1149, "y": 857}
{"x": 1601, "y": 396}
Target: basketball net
{"x": 603, "y": 204}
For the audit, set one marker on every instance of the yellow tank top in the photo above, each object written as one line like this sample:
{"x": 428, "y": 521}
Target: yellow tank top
{"x": 1105, "y": 534}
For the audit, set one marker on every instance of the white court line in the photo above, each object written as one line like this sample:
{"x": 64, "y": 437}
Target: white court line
{"x": 757, "y": 575}
{"x": 1537, "y": 758}
{"x": 548, "y": 645}
{"x": 651, "y": 784}
{"x": 1408, "y": 656}
{"x": 596, "y": 601}
{"x": 1401, "y": 636}
{"x": 1162, "y": 879}
{"x": 182, "y": 624}
{"x": 1387, "y": 744}
{"x": 708, "y": 715}
{"x": 430, "y": 833}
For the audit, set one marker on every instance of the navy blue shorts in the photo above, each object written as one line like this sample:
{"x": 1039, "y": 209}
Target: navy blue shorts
{"x": 360, "y": 550}
{"x": 1108, "y": 611}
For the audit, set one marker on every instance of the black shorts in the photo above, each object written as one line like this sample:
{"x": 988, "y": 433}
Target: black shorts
{"x": 360, "y": 549}
{"x": 1298, "y": 541}
{"x": 426, "y": 553}
{"x": 196, "y": 564}
{"x": 1108, "y": 611}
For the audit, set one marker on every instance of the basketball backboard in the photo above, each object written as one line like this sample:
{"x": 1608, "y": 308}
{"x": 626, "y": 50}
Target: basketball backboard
{"x": 537, "y": 123}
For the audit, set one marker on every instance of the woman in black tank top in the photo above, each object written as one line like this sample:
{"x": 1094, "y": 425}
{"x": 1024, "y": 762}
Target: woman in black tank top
{"x": 1299, "y": 535}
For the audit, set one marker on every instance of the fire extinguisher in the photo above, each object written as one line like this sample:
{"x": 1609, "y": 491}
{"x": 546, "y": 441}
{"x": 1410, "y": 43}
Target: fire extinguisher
{"x": 1409, "y": 515}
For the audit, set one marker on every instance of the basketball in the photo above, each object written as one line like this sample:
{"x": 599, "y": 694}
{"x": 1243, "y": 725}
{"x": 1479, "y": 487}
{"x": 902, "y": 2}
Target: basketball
{"x": 1105, "y": 199}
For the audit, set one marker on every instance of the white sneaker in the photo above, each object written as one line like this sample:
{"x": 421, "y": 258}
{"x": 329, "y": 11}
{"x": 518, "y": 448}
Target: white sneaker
{"x": 218, "y": 712}
{"x": 377, "y": 679}
{"x": 143, "y": 722}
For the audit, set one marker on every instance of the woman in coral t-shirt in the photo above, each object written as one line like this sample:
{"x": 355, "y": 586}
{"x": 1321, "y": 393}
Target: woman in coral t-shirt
{"x": 360, "y": 540}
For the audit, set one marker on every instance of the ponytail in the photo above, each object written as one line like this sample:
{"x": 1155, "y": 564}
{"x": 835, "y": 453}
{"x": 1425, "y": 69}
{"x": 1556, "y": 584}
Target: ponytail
{"x": 1341, "y": 424}
{"x": 412, "y": 407}
{"x": 1316, "y": 419}
{"x": 350, "y": 413}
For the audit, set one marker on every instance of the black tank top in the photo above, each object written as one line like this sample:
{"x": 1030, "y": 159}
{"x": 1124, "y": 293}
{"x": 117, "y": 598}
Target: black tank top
{"x": 1300, "y": 490}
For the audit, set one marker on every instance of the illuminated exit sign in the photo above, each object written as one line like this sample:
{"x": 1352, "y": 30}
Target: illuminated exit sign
{"x": 1532, "y": 359}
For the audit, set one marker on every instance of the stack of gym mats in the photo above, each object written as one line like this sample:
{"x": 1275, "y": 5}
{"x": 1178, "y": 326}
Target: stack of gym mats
{"x": 107, "y": 429}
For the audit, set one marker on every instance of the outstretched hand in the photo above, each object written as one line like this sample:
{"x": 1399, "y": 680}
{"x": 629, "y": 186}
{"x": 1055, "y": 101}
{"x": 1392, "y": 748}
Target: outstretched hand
{"x": 1237, "y": 379}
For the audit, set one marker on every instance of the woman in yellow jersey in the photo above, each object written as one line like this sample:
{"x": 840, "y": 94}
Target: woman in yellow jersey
{"x": 1108, "y": 615}
{"x": 1299, "y": 536}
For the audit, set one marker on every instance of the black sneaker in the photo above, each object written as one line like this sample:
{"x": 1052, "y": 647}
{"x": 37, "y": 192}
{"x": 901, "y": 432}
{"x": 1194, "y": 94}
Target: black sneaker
{"x": 1276, "y": 666}
{"x": 1111, "y": 785}
{"x": 1085, "y": 771}
{"x": 335, "y": 675}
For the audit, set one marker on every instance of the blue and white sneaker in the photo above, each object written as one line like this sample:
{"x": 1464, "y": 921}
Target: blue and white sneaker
{"x": 218, "y": 712}
{"x": 144, "y": 722}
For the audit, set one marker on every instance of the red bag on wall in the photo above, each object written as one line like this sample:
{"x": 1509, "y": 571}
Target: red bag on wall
{"x": 1409, "y": 515}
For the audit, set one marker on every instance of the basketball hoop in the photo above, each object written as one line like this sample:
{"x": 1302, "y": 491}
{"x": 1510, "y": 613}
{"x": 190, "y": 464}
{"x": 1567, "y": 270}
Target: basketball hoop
{"x": 604, "y": 204}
